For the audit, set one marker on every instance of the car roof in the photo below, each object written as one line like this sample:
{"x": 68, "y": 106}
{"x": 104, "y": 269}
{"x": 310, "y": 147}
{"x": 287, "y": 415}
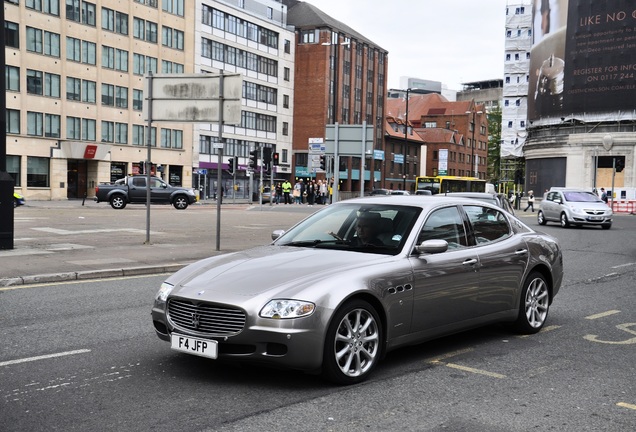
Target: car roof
{"x": 478, "y": 195}
{"x": 426, "y": 201}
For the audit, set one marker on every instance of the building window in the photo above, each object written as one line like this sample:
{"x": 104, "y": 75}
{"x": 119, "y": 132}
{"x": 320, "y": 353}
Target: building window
{"x": 285, "y": 128}
{"x": 89, "y": 130}
{"x": 121, "y": 97}
{"x": 88, "y": 14}
{"x": 52, "y": 125}
{"x": 12, "y": 78}
{"x": 73, "y": 128}
{"x": 51, "y": 7}
{"x": 510, "y": 124}
{"x": 13, "y": 168}
{"x": 114, "y": 21}
{"x": 137, "y": 135}
{"x": 37, "y": 171}
{"x": 121, "y": 133}
{"x": 52, "y": 85}
{"x": 108, "y": 94}
{"x": 173, "y": 6}
{"x": 35, "y": 123}
{"x": 51, "y": 44}
{"x": 138, "y": 100}
{"x": 73, "y": 88}
{"x": 34, "y": 40}
{"x": 151, "y": 32}
{"x": 522, "y": 123}
{"x": 11, "y": 35}
{"x": 34, "y": 82}
{"x": 270, "y": 13}
{"x": 287, "y": 46}
{"x": 166, "y": 138}
{"x": 73, "y": 49}
{"x": 89, "y": 53}
{"x": 308, "y": 36}
{"x": 73, "y": 10}
{"x": 89, "y": 91}
{"x": 286, "y": 73}
{"x": 13, "y": 121}
{"x": 506, "y": 102}
{"x": 507, "y": 57}
{"x": 285, "y": 101}
{"x": 108, "y": 131}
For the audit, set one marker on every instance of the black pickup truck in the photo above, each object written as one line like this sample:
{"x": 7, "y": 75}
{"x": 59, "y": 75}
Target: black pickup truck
{"x": 132, "y": 189}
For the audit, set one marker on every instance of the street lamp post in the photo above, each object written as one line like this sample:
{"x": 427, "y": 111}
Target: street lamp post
{"x": 405, "y": 145}
{"x": 473, "y": 165}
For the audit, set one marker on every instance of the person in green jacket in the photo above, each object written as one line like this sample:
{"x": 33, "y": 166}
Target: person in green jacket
{"x": 287, "y": 187}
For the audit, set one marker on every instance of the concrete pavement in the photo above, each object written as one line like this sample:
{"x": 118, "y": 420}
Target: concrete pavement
{"x": 64, "y": 240}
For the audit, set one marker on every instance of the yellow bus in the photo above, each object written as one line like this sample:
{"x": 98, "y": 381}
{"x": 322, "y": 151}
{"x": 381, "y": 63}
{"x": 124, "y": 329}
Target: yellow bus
{"x": 443, "y": 184}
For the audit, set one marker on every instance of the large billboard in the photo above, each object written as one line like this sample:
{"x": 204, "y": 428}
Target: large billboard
{"x": 583, "y": 61}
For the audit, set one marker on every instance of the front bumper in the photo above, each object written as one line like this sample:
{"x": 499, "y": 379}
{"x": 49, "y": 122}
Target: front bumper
{"x": 293, "y": 344}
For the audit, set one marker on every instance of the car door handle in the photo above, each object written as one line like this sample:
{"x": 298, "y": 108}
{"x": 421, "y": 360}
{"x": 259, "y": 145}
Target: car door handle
{"x": 521, "y": 252}
{"x": 470, "y": 261}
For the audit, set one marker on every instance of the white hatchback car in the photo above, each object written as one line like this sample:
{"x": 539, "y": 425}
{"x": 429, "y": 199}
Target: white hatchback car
{"x": 574, "y": 207}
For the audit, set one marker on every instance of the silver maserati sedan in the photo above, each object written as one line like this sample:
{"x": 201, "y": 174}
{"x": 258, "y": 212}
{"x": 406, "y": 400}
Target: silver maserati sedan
{"x": 359, "y": 278}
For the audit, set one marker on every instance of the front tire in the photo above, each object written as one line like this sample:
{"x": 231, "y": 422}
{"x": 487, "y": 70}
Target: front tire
{"x": 353, "y": 343}
{"x": 534, "y": 304}
{"x": 180, "y": 202}
{"x": 118, "y": 202}
{"x": 565, "y": 223}
{"x": 541, "y": 218}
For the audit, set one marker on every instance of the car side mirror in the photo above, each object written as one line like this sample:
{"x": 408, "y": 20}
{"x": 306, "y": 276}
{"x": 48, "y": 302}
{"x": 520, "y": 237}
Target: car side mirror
{"x": 432, "y": 247}
{"x": 277, "y": 233}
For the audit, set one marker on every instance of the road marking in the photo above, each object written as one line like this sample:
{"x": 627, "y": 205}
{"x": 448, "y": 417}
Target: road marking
{"x": 624, "y": 327}
{"x": 626, "y": 405}
{"x": 438, "y": 361}
{"x": 92, "y": 231}
{"x": 543, "y": 330}
{"x": 602, "y": 314}
{"x": 476, "y": 371}
{"x": 449, "y": 355}
{"x": 624, "y": 265}
{"x": 44, "y": 357}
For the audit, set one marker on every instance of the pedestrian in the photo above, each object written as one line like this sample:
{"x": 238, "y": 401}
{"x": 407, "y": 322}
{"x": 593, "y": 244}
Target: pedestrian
{"x": 298, "y": 192}
{"x": 604, "y": 195}
{"x": 287, "y": 187}
{"x": 311, "y": 193}
{"x": 530, "y": 201}
{"x": 278, "y": 190}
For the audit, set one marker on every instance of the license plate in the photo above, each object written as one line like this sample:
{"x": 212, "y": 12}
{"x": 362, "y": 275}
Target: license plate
{"x": 190, "y": 345}
{"x": 595, "y": 218}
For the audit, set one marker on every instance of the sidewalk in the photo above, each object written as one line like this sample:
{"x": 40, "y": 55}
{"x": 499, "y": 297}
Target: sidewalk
{"x": 58, "y": 241}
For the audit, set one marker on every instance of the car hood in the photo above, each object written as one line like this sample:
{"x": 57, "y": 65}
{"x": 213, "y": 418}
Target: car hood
{"x": 272, "y": 269}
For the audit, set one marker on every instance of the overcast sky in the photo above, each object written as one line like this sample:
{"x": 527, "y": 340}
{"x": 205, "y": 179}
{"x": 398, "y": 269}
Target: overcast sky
{"x": 451, "y": 41}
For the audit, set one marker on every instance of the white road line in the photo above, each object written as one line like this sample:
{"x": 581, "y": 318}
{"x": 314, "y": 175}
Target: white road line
{"x": 90, "y": 231}
{"x": 624, "y": 265}
{"x": 44, "y": 357}
{"x": 602, "y": 314}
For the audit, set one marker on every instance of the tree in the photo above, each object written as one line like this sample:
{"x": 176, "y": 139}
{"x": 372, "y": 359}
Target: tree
{"x": 494, "y": 145}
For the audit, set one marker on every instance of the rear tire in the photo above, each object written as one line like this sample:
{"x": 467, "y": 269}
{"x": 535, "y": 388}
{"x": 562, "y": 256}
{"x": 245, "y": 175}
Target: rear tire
{"x": 534, "y": 304}
{"x": 353, "y": 343}
{"x": 118, "y": 202}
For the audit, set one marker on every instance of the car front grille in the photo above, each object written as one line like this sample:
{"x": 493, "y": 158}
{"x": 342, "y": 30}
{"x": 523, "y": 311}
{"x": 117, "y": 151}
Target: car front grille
{"x": 594, "y": 212}
{"x": 206, "y": 318}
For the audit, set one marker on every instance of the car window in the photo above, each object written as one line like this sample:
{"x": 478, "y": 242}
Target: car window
{"x": 444, "y": 224}
{"x": 155, "y": 183}
{"x": 488, "y": 224}
{"x": 581, "y": 197}
{"x": 139, "y": 181}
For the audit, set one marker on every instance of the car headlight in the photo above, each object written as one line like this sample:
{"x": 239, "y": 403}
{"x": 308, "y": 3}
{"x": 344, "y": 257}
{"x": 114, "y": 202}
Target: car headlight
{"x": 285, "y": 309}
{"x": 164, "y": 291}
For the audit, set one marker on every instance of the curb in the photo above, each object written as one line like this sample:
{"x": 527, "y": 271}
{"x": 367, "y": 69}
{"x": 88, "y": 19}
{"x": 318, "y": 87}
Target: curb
{"x": 90, "y": 274}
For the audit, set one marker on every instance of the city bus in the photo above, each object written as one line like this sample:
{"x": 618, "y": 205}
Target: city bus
{"x": 443, "y": 184}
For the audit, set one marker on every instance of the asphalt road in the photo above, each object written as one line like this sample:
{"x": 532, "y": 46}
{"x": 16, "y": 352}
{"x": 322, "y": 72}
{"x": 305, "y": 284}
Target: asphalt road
{"x": 82, "y": 355}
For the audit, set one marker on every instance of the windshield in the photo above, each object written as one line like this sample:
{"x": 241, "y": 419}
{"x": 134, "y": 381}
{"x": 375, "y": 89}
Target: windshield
{"x": 372, "y": 228}
{"x": 581, "y": 197}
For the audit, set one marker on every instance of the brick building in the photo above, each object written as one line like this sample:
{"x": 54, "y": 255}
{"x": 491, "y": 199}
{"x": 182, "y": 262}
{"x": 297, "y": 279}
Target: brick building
{"x": 340, "y": 76}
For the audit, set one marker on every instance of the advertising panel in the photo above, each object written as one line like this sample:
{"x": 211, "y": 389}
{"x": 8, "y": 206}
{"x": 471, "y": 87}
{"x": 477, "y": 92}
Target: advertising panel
{"x": 583, "y": 60}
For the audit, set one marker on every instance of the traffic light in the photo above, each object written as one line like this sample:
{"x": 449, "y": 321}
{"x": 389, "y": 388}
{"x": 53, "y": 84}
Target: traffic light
{"x": 267, "y": 155}
{"x": 141, "y": 167}
{"x": 322, "y": 162}
{"x": 231, "y": 162}
{"x": 275, "y": 159}
{"x": 253, "y": 159}
{"x": 619, "y": 164}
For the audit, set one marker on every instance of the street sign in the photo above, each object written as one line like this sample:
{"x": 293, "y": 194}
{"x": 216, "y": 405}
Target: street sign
{"x": 193, "y": 97}
{"x": 349, "y": 139}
